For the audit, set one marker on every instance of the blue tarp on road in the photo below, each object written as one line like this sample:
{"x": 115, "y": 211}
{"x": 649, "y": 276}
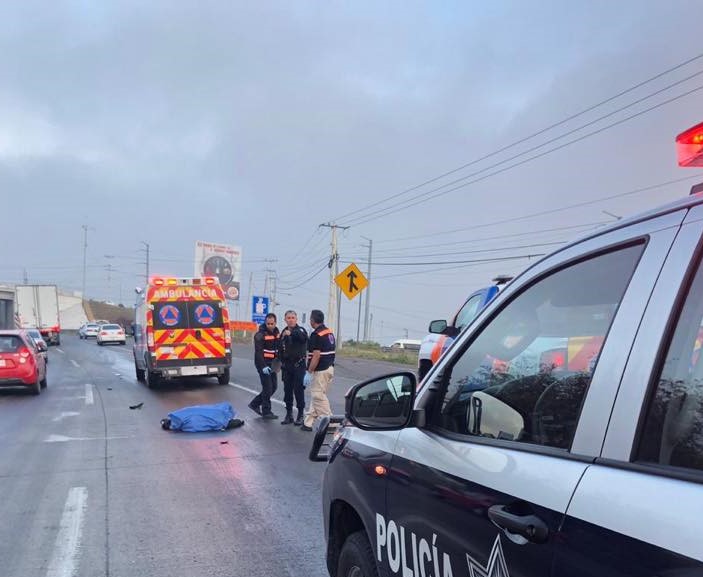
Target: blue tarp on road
{"x": 200, "y": 418}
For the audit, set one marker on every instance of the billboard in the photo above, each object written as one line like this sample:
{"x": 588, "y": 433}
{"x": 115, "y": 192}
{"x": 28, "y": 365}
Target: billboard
{"x": 222, "y": 261}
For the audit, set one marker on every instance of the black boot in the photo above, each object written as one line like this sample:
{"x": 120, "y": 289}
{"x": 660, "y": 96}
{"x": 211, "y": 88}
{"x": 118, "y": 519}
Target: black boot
{"x": 301, "y": 417}
{"x": 288, "y": 419}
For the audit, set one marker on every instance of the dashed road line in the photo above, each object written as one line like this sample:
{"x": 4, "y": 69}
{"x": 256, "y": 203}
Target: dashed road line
{"x": 64, "y": 560}
{"x": 253, "y": 392}
{"x": 75, "y": 364}
{"x": 89, "y": 400}
{"x": 60, "y": 351}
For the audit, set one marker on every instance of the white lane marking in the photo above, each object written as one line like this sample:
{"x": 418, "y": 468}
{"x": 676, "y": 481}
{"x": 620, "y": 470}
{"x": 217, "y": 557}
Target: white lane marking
{"x": 64, "y": 560}
{"x": 75, "y": 364}
{"x": 89, "y": 394}
{"x": 65, "y": 439}
{"x": 63, "y": 415}
{"x": 253, "y": 392}
{"x": 59, "y": 350}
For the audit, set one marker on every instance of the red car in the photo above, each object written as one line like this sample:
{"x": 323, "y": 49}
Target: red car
{"x": 21, "y": 364}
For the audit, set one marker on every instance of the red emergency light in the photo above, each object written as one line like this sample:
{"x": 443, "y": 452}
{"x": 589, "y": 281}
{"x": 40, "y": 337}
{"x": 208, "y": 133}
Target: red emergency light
{"x": 689, "y": 147}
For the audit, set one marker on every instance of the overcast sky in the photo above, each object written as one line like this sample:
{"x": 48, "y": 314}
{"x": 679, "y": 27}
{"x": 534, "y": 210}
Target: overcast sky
{"x": 252, "y": 123}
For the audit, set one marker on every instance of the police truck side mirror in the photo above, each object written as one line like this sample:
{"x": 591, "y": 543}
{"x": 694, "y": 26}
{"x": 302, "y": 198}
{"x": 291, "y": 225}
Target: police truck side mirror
{"x": 384, "y": 403}
{"x": 438, "y": 327}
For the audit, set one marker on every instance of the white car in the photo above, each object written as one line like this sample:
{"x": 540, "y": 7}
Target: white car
{"x": 111, "y": 334}
{"x": 88, "y": 330}
{"x": 40, "y": 343}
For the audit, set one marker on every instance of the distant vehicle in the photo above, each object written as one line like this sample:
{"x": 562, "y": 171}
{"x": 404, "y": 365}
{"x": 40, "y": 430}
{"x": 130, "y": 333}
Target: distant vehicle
{"x": 38, "y": 306}
{"x": 39, "y": 341}
{"x": 403, "y": 345}
{"x": 181, "y": 329}
{"x": 111, "y": 333}
{"x": 21, "y": 364}
{"x": 442, "y": 334}
{"x": 89, "y": 330}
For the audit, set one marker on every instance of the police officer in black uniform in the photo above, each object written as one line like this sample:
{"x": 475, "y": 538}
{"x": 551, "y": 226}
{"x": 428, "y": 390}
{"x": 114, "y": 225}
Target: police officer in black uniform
{"x": 292, "y": 352}
{"x": 265, "y": 353}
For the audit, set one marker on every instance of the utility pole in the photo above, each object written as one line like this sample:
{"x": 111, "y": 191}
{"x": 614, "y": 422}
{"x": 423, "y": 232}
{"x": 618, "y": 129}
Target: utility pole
{"x": 25, "y": 277}
{"x": 270, "y": 284}
{"x": 333, "y": 306}
{"x": 146, "y": 262}
{"x": 249, "y": 302}
{"x": 367, "y": 324}
{"x": 109, "y": 270}
{"x": 85, "y": 255}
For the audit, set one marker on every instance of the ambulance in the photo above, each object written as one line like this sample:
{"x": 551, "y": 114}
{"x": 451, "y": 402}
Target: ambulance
{"x": 181, "y": 329}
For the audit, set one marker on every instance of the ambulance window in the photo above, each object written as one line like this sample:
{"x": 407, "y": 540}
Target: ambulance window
{"x": 170, "y": 315}
{"x": 205, "y": 314}
{"x": 672, "y": 435}
{"x": 525, "y": 376}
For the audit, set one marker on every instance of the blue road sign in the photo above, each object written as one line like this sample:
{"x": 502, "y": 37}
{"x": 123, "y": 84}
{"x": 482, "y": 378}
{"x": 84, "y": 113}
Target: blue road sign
{"x": 259, "y": 309}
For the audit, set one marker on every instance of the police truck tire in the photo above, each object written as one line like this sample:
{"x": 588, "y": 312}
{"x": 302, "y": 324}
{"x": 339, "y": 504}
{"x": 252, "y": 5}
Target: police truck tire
{"x": 356, "y": 558}
{"x": 223, "y": 379}
{"x": 139, "y": 372}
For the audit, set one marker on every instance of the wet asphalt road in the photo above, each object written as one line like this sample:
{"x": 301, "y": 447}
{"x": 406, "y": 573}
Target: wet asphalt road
{"x": 92, "y": 488}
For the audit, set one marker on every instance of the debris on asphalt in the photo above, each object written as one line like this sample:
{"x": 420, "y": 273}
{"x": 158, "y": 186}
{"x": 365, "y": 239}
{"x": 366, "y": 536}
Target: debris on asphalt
{"x": 200, "y": 418}
{"x": 138, "y": 406}
{"x": 224, "y": 442}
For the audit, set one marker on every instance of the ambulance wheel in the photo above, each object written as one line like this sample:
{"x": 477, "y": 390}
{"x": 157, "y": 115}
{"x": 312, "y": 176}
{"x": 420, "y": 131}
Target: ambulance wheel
{"x": 152, "y": 379}
{"x": 140, "y": 373}
{"x": 223, "y": 379}
{"x": 356, "y": 558}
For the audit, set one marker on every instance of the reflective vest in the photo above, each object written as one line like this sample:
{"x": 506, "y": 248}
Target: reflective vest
{"x": 270, "y": 350}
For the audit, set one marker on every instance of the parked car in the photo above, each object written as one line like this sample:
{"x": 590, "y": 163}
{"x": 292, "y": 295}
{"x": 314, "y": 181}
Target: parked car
{"x": 21, "y": 364}
{"x": 39, "y": 341}
{"x": 402, "y": 345}
{"x": 111, "y": 333}
{"x": 89, "y": 330}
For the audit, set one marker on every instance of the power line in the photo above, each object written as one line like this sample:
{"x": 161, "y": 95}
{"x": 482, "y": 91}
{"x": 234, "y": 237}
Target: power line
{"x": 324, "y": 266}
{"x": 394, "y": 251}
{"x": 464, "y": 264}
{"x": 526, "y": 138}
{"x": 477, "y": 251}
{"x": 422, "y": 198}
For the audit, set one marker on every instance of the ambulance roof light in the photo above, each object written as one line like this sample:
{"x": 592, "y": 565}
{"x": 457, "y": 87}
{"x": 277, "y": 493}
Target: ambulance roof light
{"x": 689, "y": 147}
{"x": 209, "y": 280}
{"x": 172, "y": 282}
{"x": 157, "y": 281}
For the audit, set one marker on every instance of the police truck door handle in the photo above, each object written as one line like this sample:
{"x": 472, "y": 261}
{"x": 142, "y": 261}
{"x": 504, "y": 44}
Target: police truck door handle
{"x": 530, "y": 527}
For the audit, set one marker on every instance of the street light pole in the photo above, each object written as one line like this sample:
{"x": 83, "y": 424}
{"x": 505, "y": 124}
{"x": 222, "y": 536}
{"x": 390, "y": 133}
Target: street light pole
{"x": 85, "y": 254}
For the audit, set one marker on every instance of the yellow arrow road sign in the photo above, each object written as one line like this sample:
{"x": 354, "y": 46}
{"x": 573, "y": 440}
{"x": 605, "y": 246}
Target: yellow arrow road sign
{"x": 352, "y": 281}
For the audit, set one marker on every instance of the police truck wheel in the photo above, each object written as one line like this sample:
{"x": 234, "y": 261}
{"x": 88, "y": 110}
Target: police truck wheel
{"x": 139, "y": 372}
{"x": 356, "y": 558}
{"x": 223, "y": 379}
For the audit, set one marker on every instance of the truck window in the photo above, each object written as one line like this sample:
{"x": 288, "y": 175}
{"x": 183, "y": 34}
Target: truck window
{"x": 524, "y": 377}
{"x": 672, "y": 435}
{"x": 467, "y": 313}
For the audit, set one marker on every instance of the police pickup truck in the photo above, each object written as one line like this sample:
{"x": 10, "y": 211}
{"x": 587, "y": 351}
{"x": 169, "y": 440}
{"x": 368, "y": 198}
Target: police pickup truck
{"x": 442, "y": 334}
{"x": 561, "y": 434}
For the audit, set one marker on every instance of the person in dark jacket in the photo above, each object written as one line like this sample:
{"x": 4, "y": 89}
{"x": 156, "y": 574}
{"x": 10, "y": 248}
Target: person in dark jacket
{"x": 265, "y": 353}
{"x": 293, "y": 352}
